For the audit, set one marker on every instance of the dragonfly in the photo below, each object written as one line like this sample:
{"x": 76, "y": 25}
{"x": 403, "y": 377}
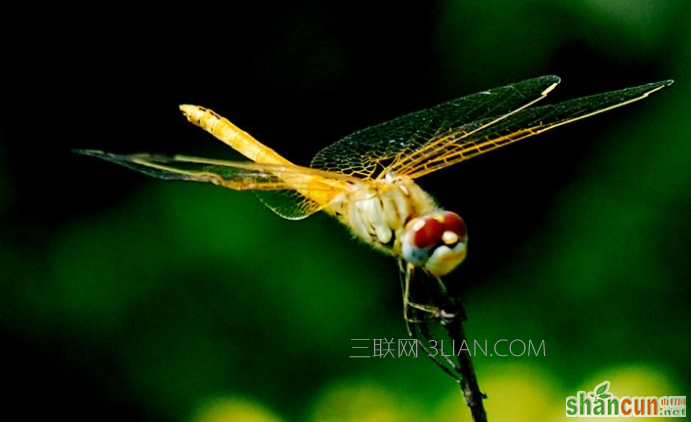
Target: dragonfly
{"x": 367, "y": 179}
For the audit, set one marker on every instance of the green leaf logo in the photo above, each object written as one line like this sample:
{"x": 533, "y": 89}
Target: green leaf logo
{"x": 601, "y": 390}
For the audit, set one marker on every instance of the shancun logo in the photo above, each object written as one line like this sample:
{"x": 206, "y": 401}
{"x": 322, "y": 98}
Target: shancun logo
{"x": 600, "y": 402}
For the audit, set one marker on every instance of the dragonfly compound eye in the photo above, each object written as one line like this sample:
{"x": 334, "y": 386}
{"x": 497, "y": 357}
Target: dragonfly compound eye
{"x": 427, "y": 232}
{"x": 455, "y": 224}
{"x": 436, "y": 242}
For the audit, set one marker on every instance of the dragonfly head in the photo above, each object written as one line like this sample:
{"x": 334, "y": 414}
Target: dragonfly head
{"x": 436, "y": 242}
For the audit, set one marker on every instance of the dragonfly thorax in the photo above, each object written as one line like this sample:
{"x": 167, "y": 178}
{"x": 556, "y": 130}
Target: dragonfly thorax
{"x": 397, "y": 217}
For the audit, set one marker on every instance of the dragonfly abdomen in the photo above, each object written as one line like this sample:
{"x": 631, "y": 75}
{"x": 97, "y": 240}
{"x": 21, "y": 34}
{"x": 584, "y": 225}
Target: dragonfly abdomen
{"x": 233, "y": 136}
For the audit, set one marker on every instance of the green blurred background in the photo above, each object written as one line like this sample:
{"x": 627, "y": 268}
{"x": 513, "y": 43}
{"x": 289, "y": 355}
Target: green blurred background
{"x": 128, "y": 298}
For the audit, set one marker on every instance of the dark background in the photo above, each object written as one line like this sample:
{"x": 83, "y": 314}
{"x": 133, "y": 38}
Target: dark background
{"x": 128, "y": 298}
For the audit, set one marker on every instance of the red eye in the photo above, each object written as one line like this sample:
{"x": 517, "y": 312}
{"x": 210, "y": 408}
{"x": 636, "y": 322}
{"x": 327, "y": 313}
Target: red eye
{"x": 427, "y": 232}
{"x": 454, "y": 223}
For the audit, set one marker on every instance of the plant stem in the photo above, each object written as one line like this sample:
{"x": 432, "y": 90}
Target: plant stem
{"x": 469, "y": 386}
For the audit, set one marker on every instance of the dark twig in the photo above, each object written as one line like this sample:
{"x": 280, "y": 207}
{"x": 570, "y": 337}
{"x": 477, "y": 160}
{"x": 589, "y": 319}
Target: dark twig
{"x": 441, "y": 308}
{"x": 453, "y": 324}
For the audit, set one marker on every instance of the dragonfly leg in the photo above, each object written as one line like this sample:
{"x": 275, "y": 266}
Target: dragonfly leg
{"x": 409, "y": 307}
{"x": 418, "y": 317}
{"x": 450, "y": 310}
{"x": 425, "y": 339}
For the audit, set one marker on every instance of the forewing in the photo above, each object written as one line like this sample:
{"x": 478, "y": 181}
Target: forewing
{"x": 296, "y": 184}
{"x": 484, "y": 135}
{"x": 368, "y": 153}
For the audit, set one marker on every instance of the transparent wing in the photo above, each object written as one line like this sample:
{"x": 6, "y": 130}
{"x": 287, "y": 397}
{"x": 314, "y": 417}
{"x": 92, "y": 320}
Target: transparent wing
{"x": 288, "y": 204}
{"x": 299, "y": 191}
{"x": 368, "y": 153}
{"x": 491, "y": 133}
{"x": 432, "y": 139}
